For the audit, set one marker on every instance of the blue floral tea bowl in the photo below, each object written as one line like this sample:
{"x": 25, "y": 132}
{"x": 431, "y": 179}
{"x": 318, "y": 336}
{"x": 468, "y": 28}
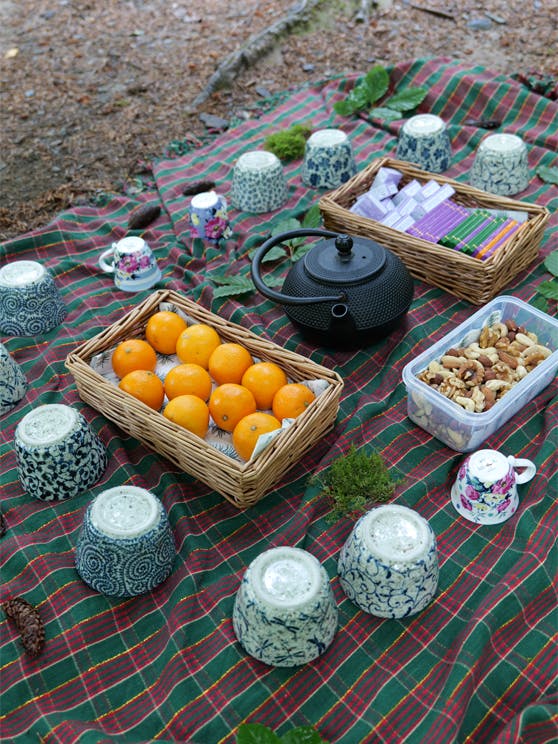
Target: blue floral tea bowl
{"x": 208, "y": 217}
{"x": 30, "y": 303}
{"x": 501, "y": 165}
{"x": 328, "y": 159}
{"x": 284, "y": 612}
{"x": 424, "y": 141}
{"x": 57, "y": 453}
{"x": 258, "y": 182}
{"x": 133, "y": 264}
{"x": 125, "y": 546}
{"x": 485, "y": 490}
{"x": 13, "y": 384}
{"x": 388, "y": 565}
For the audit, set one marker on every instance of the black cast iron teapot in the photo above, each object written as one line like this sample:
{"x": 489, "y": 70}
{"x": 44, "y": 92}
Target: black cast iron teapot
{"x": 345, "y": 292}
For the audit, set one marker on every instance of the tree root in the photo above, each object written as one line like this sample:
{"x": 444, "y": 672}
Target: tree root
{"x": 254, "y": 49}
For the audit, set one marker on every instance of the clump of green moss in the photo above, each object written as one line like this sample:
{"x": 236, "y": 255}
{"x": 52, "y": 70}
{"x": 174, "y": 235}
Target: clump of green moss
{"x": 355, "y": 480}
{"x": 288, "y": 144}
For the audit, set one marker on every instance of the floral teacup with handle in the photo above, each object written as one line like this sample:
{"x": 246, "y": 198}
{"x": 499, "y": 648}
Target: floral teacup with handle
{"x": 133, "y": 264}
{"x": 485, "y": 490}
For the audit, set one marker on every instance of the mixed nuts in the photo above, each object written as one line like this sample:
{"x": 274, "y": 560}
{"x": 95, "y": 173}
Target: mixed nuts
{"x": 479, "y": 374}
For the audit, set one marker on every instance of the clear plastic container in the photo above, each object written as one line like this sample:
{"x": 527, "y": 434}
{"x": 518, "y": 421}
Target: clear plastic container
{"x": 462, "y": 430}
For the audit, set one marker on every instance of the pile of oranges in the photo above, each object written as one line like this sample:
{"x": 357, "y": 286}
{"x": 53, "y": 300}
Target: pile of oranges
{"x": 214, "y": 379}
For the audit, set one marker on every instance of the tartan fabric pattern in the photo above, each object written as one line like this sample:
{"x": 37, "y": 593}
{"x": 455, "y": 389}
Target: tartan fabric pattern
{"x": 476, "y": 666}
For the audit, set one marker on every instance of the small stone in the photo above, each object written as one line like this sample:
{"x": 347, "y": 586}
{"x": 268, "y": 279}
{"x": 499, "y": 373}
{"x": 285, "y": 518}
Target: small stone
{"x": 214, "y": 122}
{"x": 262, "y": 91}
{"x": 479, "y": 24}
{"x": 308, "y": 67}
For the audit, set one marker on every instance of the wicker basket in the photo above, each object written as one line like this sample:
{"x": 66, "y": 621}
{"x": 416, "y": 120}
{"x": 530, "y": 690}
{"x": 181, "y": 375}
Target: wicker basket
{"x": 242, "y": 484}
{"x": 459, "y": 274}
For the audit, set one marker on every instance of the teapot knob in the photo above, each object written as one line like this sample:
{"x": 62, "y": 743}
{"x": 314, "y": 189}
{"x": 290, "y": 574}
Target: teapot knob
{"x": 344, "y": 244}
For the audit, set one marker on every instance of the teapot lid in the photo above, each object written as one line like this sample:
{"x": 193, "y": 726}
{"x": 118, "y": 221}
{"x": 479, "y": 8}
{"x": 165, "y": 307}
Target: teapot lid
{"x": 345, "y": 259}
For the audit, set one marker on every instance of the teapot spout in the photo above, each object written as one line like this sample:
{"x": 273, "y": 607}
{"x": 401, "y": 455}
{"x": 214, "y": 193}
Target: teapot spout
{"x": 342, "y": 327}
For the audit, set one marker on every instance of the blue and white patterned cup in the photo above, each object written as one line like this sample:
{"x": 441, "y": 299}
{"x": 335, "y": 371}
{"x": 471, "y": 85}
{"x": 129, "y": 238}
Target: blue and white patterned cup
{"x": 125, "y": 546}
{"x": 30, "y": 303}
{"x": 424, "y": 141}
{"x": 501, "y": 165}
{"x": 284, "y": 612}
{"x": 133, "y": 264}
{"x": 13, "y": 384}
{"x": 328, "y": 159}
{"x": 258, "y": 182}
{"x": 208, "y": 216}
{"x": 388, "y": 565}
{"x": 57, "y": 453}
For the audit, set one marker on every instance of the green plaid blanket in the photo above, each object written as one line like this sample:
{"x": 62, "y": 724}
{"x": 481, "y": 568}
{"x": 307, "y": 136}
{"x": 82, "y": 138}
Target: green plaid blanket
{"x": 478, "y": 665}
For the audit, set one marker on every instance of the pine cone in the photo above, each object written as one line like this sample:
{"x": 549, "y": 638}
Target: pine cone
{"x": 143, "y": 216}
{"x": 198, "y": 187}
{"x": 28, "y": 622}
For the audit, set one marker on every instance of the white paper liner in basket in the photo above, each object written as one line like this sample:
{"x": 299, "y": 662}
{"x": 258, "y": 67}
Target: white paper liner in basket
{"x": 216, "y": 437}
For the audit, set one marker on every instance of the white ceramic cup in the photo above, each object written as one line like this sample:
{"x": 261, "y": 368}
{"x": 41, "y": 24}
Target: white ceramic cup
{"x": 30, "y": 303}
{"x": 328, "y": 159}
{"x": 125, "y": 546}
{"x": 388, "y": 565}
{"x": 58, "y": 455}
{"x": 501, "y": 165}
{"x": 258, "y": 182}
{"x": 13, "y": 384}
{"x": 485, "y": 490}
{"x": 284, "y": 612}
{"x": 133, "y": 264}
{"x": 424, "y": 140}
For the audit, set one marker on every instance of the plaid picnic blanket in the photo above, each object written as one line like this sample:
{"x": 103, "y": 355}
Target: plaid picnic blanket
{"x": 477, "y": 665}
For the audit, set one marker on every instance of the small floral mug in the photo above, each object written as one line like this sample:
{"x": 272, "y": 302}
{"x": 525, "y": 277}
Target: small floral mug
{"x": 208, "y": 216}
{"x": 485, "y": 490}
{"x": 133, "y": 264}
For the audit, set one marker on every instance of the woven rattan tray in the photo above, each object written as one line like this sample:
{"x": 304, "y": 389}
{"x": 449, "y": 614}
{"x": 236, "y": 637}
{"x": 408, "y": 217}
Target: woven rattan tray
{"x": 242, "y": 484}
{"x": 459, "y": 274}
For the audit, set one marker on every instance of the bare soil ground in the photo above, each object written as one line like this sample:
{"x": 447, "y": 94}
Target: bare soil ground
{"x": 91, "y": 90}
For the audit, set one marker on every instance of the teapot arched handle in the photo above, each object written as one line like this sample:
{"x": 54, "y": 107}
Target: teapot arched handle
{"x": 284, "y": 299}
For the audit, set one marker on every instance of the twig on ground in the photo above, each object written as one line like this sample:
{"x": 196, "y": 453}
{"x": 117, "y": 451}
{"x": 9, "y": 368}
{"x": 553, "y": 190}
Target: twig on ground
{"x": 434, "y": 11}
{"x": 254, "y": 49}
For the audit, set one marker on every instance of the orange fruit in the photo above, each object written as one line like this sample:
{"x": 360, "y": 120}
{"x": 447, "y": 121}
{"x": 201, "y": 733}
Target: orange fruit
{"x": 190, "y": 412}
{"x": 196, "y": 343}
{"x": 229, "y": 362}
{"x": 229, "y": 403}
{"x": 163, "y": 329}
{"x": 264, "y": 379}
{"x": 133, "y": 354}
{"x": 249, "y": 428}
{"x": 145, "y": 386}
{"x": 188, "y": 379}
{"x": 291, "y": 400}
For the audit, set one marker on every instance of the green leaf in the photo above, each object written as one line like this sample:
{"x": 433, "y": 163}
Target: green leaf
{"x": 549, "y": 289}
{"x": 547, "y": 174}
{"x": 313, "y": 217}
{"x": 551, "y": 263}
{"x": 539, "y": 302}
{"x": 235, "y": 285}
{"x": 302, "y": 735}
{"x": 375, "y": 84}
{"x": 387, "y": 114}
{"x": 256, "y": 733}
{"x": 407, "y": 99}
{"x": 300, "y": 251}
{"x": 343, "y": 108}
{"x": 291, "y": 223}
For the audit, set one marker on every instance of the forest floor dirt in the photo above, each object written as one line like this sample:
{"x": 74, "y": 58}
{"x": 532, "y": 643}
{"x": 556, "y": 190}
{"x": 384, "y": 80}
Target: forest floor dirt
{"x": 92, "y": 90}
